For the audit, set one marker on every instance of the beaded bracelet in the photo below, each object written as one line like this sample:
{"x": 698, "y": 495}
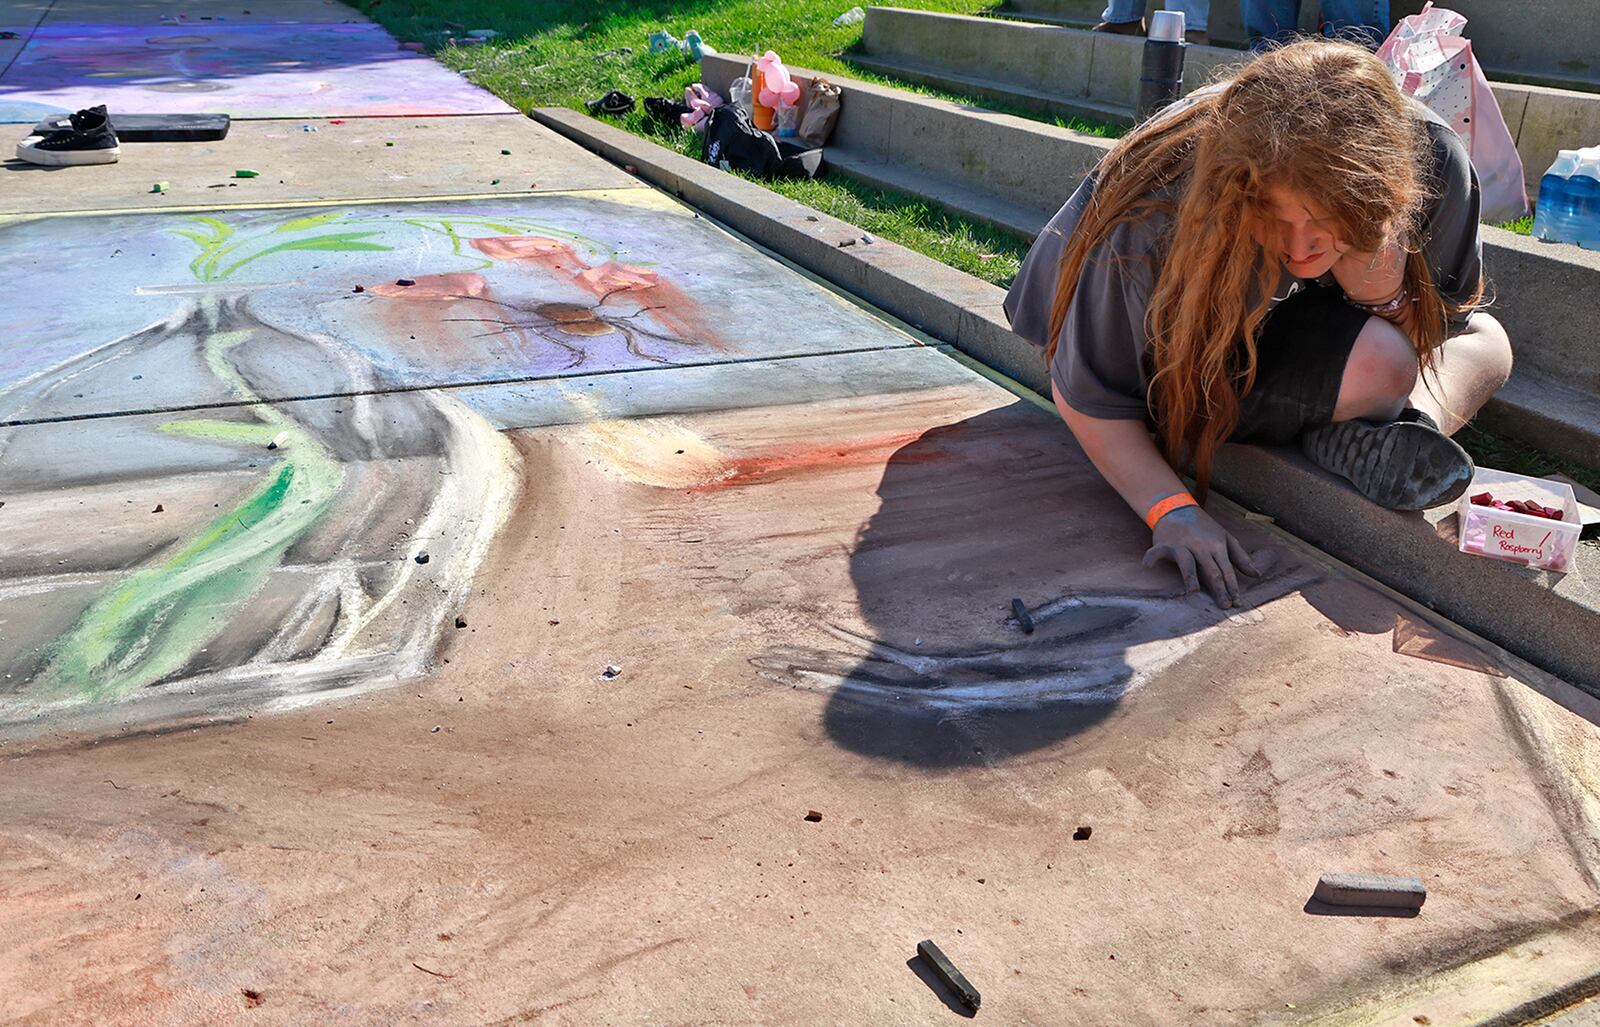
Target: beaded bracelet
{"x": 1388, "y": 309}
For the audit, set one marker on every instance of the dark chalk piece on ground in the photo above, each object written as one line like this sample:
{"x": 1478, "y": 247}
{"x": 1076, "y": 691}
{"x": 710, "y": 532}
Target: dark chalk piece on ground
{"x": 405, "y": 282}
{"x": 1377, "y": 891}
{"x": 813, "y": 817}
{"x": 422, "y": 557}
{"x": 461, "y": 622}
{"x": 151, "y": 128}
{"x": 1082, "y": 834}
{"x": 947, "y": 972}
{"x": 1019, "y": 609}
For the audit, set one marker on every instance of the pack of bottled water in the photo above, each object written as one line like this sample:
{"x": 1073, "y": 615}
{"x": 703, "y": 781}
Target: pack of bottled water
{"x": 1569, "y": 200}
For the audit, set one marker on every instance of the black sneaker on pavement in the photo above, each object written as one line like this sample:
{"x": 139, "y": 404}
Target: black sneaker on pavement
{"x": 1407, "y": 464}
{"x": 90, "y": 140}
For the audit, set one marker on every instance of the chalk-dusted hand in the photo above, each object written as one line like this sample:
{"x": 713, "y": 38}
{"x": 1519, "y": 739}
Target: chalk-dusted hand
{"x": 1203, "y": 552}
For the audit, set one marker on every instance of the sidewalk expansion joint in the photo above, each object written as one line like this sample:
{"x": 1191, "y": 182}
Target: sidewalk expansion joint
{"x": 452, "y": 386}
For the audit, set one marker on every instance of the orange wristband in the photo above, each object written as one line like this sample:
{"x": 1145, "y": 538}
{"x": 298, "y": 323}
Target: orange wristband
{"x": 1166, "y": 506}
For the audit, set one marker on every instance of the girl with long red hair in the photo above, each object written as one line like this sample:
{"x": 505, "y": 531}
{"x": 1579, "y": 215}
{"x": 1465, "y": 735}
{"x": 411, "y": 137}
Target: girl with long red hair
{"x": 1287, "y": 257}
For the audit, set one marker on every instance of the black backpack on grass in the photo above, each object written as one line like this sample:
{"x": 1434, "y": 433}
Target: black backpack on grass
{"x": 733, "y": 143}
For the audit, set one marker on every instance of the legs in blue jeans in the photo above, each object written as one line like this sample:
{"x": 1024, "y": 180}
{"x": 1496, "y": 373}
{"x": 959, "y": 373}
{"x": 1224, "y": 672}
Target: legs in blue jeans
{"x": 1361, "y": 21}
{"x": 1121, "y": 12}
{"x": 1364, "y": 21}
{"x": 1195, "y": 13}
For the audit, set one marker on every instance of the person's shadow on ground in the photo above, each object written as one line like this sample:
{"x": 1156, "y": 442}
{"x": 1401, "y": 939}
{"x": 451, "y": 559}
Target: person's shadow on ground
{"x": 974, "y": 513}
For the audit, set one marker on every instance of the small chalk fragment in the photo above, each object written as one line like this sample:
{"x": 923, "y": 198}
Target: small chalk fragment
{"x": 946, "y": 972}
{"x": 1372, "y": 890}
{"x": 461, "y": 622}
{"x": 612, "y": 672}
{"x": 422, "y": 557}
{"x": 159, "y": 508}
{"x": 1019, "y": 609}
{"x": 389, "y": 143}
{"x": 847, "y": 242}
{"x": 159, "y": 187}
{"x": 1082, "y": 833}
{"x": 246, "y": 173}
{"x": 405, "y": 282}
{"x": 279, "y": 440}
{"x": 813, "y": 817}
{"x": 494, "y": 181}
{"x": 505, "y": 153}
{"x": 359, "y": 288}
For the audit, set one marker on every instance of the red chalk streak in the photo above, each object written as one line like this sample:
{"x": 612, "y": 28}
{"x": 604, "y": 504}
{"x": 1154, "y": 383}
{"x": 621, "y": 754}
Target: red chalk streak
{"x": 753, "y": 470}
{"x": 436, "y": 287}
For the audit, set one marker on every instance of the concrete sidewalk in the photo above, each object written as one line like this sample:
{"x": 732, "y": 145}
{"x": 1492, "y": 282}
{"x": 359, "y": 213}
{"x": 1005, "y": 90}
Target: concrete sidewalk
{"x": 427, "y": 601}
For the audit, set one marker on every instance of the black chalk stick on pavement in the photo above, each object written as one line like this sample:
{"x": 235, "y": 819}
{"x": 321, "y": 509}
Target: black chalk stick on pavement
{"x": 947, "y": 973}
{"x": 1019, "y": 609}
{"x": 1377, "y": 891}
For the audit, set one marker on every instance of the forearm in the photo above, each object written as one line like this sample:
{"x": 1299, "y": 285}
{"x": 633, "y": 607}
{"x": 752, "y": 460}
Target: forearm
{"x": 1125, "y": 455}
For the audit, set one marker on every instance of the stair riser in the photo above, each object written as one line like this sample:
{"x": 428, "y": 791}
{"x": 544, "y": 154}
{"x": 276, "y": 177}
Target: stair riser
{"x": 1050, "y": 68}
{"x": 1065, "y": 62}
{"x": 1553, "y": 41}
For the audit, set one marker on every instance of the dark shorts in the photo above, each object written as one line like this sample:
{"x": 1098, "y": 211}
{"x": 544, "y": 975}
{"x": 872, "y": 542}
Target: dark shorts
{"x": 1300, "y": 358}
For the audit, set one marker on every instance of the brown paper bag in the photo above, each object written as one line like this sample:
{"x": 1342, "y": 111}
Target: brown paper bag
{"x": 821, "y": 111}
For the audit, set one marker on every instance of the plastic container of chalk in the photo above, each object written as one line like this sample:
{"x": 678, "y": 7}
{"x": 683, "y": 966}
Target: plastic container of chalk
{"x": 1517, "y": 537}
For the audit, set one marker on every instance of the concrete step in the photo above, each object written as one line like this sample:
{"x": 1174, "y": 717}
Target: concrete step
{"x": 1547, "y": 414}
{"x": 1543, "y": 41}
{"x": 1548, "y": 619}
{"x": 1074, "y": 69}
{"x": 1051, "y": 69}
{"x": 996, "y": 156}
{"x": 1224, "y": 24}
{"x": 997, "y": 91}
{"x": 986, "y": 166}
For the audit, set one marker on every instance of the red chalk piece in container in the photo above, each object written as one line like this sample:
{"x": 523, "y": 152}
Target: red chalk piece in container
{"x": 1508, "y": 517}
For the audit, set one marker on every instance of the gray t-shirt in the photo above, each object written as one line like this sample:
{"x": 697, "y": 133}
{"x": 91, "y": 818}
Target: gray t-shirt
{"x": 1099, "y": 365}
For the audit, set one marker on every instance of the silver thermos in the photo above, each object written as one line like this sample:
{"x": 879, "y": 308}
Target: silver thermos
{"x": 1161, "y": 79}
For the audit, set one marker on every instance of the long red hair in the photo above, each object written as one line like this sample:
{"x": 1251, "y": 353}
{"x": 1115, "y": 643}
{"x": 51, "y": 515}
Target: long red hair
{"x": 1320, "y": 117}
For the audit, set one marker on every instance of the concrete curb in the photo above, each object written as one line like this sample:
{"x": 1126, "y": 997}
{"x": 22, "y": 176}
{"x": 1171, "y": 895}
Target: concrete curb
{"x": 1096, "y": 75}
{"x": 1530, "y": 40}
{"x": 1547, "y": 619}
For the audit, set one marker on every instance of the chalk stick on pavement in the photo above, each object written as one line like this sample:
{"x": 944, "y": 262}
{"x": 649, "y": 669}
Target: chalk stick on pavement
{"x": 1371, "y": 890}
{"x": 1019, "y": 610}
{"x": 946, "y": 972}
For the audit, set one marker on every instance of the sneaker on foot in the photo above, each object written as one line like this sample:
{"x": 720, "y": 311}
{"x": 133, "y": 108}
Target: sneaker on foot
{"x": 1407, "y": 464}
{"x": 90, "y": 140}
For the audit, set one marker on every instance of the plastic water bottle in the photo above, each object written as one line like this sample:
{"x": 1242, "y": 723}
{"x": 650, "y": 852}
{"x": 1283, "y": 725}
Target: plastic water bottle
{"x": 1551, "y": 221}
{"x": 1583, "y": 191}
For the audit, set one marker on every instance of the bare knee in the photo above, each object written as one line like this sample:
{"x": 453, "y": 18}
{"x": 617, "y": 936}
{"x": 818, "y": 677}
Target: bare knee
{"x": 1380, "y": 374}
{"x": 1490, "y": 346}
